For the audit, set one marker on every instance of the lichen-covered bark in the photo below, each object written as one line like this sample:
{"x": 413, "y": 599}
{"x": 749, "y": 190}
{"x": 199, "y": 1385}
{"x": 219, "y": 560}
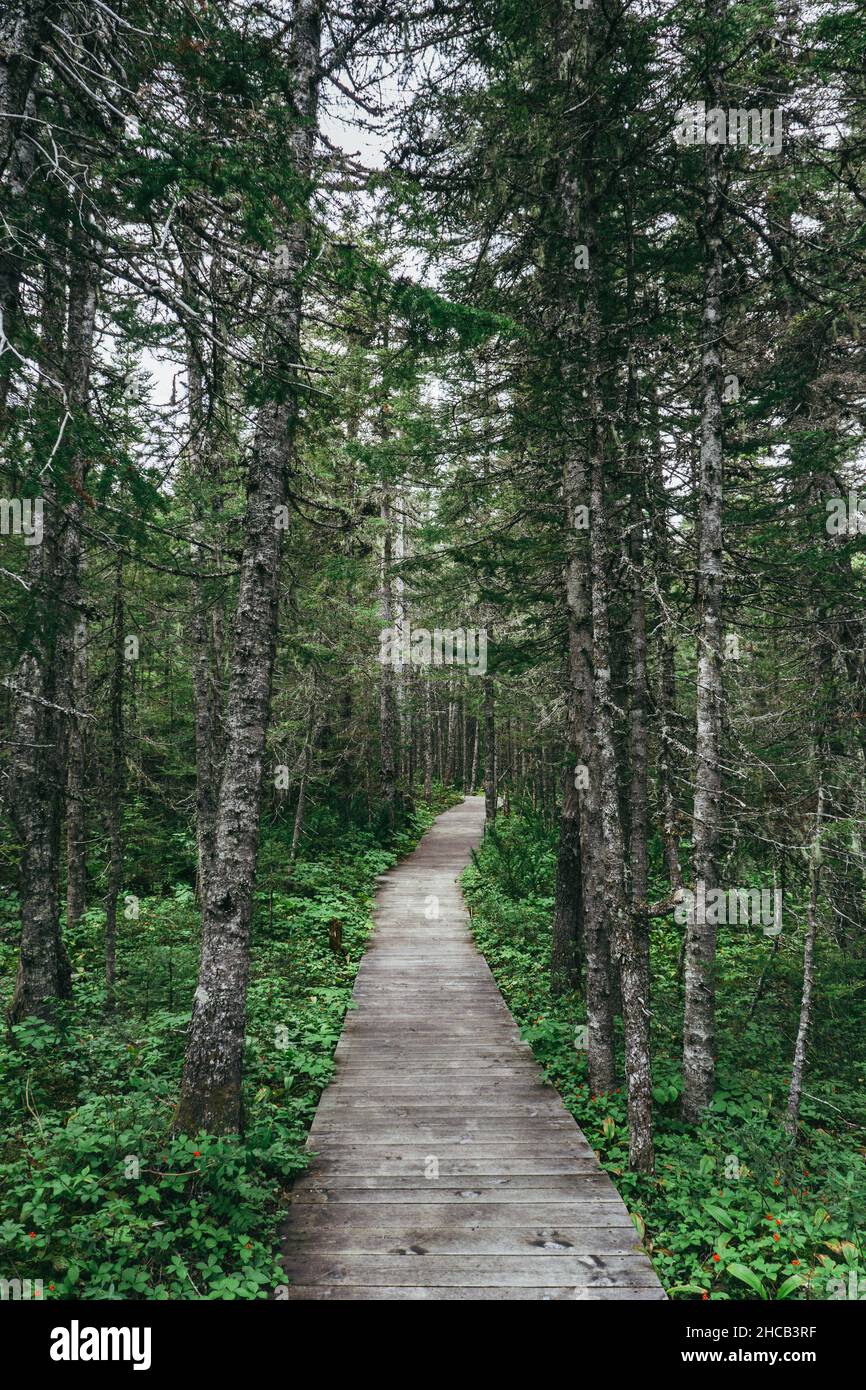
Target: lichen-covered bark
{"x": 24, "y": 27}
{"x": 115, "y": 789}
{"x": 428, "y": 743}
{"x": 451, "y": 755}
{"x": 473, "y": 775}
{"x": 44, "y": 677}
{"x": 568, "y": 902}
{"x": 609, "y": 923}
{"x": 43, "y": 969}
{"x": 211, "y": 1087}
{"x": 638, "y": 754}
{"x": 804, "y": 1025}
{"x": 388, "y": 724}
{"x": 665, "y": 697}
{"x": 76, "y": 784}
{"x": 207, "y": 624}
{"x": 568, "y": 293}
{"x": 489, "y": 751}
{"x": 700, "y": 955}
{"x": 629, "y": 946}
{"x": 74, "y": 632}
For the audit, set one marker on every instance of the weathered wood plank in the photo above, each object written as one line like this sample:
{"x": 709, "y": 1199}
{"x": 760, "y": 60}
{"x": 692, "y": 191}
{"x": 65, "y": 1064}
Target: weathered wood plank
{"x": 487, "y": 1187}
{"x": 555, "y": 1293}
{"x": 443, "y": 1132}
{"x": 347, "y": 1238}
{"x": 457, "y": 1216}
{"x": 451, "y": 1170}
{"x": 373, "y": 1107}
{"x": 467, "y": 1271}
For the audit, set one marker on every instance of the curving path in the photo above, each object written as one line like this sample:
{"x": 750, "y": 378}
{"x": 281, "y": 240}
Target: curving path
{"x": 445, "y": 1168}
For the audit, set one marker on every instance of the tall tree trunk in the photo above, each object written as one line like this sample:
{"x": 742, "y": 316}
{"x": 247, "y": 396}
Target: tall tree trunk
{"x": 207, "y": 706}
{"x": 567, "y": 295}
{"x": 76, "y": 785}
{"x": 450, "y": 757}
{"x": 25, "y": 28}
{"x": 43, "y": 974}
{"x": 568, "y": 904}
{"x": 115, "y": 790}
{"x": 638, "y": 855}
{"x": 489, "y": 751}
{"x": 699, "y": 1027}
{"x": 599, "y": 1001}
{"x": 440, "y": 737}
{"x": 824, "y": 660}
{"x": 629, "y": 947}
{"x": 388, "y": 676}
{"x": 403, "y": 676}
{"x": 44, "y": 676}
{"x": 804, "y": 1025}
{"x": 211, "y": 1086}
{"x": 637, "y": 714}
{"x": 428, "y": 742}
{"x": 473, "y": 778}
{"x": 206, "y": 627}
{"x": 666, "y": 682}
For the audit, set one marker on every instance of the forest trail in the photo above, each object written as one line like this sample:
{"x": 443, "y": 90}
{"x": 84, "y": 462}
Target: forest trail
{"x": 445, "y": 1168}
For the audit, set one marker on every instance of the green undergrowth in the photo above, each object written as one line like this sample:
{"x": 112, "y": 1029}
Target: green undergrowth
{"x": 97, "y": 1199}
{"x": 734, "y": 1210}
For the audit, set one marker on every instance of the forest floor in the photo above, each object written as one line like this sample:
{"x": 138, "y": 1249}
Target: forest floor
{"x": 733, "y": 1210}
{"x": 97, "y": 1198}
{"x": 99, "y": 1201}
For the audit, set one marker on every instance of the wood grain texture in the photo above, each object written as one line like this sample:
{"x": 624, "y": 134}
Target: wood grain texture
{"x": 444, "y": 1168}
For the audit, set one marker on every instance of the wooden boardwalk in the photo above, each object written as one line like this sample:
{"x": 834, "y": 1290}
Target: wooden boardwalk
{"x": 445, "y": 1168}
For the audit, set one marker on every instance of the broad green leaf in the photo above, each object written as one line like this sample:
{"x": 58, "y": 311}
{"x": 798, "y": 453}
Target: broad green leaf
{"x": 747, "y": 1276}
